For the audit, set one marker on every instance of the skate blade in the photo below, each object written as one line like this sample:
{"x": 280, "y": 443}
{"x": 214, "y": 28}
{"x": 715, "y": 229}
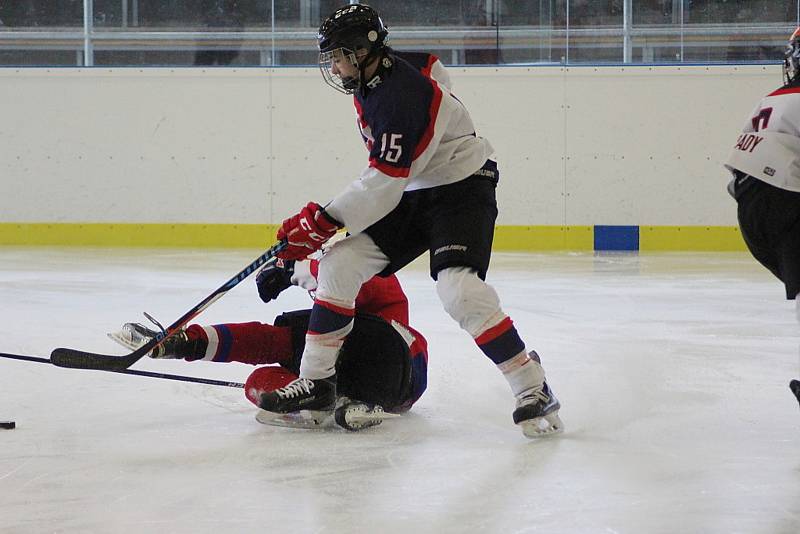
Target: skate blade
{"x": 541, "y": 427}
{"x": 356, "y": 419}
{"x": 124, "y": 340}
{"x": 307, "y": 419}
{"x": 371, "y": 416}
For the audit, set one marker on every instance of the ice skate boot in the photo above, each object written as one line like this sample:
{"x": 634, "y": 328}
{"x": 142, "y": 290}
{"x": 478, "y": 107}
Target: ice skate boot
{"x": 537, "y": 412}
{"x": 355, "y": 415}
{"x": 176, "y": 346}
{"x": 794, "y": 385}
{"x": 301, "y": 394}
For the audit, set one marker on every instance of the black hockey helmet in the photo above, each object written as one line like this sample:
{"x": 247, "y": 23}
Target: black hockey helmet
{"x": 791, "y": 58}
{"x": 356, "y": 33}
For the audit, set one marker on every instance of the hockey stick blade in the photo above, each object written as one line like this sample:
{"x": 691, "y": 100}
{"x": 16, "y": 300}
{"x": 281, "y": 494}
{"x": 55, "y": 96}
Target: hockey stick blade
{"x": 78, "y": 359}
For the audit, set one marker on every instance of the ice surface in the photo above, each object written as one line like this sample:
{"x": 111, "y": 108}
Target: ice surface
{"x": 672, "y": 370}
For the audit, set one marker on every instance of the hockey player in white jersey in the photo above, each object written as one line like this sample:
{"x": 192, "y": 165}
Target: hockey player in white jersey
{"x": 765, "y": 163}
{"x": 429, "y": 185}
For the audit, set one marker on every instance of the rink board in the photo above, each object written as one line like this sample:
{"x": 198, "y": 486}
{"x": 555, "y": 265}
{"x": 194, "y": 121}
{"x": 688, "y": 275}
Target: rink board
{"x": 507, "y": 238}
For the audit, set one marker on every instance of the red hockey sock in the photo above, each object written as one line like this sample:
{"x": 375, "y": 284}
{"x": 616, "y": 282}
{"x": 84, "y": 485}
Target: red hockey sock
{"x": 254, "y": 343}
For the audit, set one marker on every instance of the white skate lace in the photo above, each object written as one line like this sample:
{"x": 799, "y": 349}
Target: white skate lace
{"x": 296, "y": 388}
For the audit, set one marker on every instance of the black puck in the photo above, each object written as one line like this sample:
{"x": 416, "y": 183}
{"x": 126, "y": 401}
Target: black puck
{"x": 9, "y": 425}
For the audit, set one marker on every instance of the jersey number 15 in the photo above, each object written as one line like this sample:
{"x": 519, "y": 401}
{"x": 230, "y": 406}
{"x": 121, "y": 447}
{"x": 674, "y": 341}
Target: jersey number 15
{"x": 391, "y": 150}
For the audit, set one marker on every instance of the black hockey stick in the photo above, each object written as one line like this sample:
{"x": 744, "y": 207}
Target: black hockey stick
{"x": 165, "y": 376}
{"x": 79, "y": 359}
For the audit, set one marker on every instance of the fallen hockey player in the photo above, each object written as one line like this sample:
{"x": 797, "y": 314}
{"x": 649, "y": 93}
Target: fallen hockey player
{"x": 382, "y": 367}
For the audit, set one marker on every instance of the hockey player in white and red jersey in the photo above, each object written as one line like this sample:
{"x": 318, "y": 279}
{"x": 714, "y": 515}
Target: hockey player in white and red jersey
{"x": 765, "y": 163}
{"x": 429, "y": 185}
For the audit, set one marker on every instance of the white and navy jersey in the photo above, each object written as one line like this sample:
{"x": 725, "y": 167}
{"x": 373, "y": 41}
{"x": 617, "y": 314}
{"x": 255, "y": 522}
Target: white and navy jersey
{"x": 418, "y": 136}
{"x": 769, "y": 146}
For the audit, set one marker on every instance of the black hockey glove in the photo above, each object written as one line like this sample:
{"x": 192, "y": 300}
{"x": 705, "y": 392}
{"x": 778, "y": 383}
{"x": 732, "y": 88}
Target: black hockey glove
{"x": 274, "y": 278}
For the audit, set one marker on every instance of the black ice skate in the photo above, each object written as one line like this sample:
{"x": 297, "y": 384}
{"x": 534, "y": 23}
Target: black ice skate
{"x": 356, "y": 415}
{"x": 537, "y": 413}
{"x": 177, "y": 346}
{"x": 794, "y": 385}
{"x": 301, "y": 394}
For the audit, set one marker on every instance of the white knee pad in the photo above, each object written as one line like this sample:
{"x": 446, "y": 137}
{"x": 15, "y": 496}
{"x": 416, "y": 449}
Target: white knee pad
{"x": 469, "y": 300}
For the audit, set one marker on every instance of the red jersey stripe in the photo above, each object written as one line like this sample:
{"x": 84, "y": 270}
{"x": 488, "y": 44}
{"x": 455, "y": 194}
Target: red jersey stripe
{"x": 785, "y": 91}
{"x": 433, "y": 113}
{"x": 426, "y": 71}
{"x": 394, "y": 172}
{"x": 360, "y": 112}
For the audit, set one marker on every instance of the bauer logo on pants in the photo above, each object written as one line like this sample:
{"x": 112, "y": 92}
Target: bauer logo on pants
{"x": 448, "y": 248}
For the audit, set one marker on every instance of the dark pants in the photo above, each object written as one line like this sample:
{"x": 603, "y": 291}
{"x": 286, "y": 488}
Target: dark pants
{"x": 769, "y": 218}
{"x": 454, "y": 222}
{"x": 374, "y": 363}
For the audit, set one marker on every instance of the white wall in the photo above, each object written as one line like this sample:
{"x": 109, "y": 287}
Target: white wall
{"x": 577, "y": 146}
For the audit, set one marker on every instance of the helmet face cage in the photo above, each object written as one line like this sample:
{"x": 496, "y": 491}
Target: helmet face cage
{"x": 342, "y": 58}
{"x": 351, "y": 29}
{"x": 791, "y": 58}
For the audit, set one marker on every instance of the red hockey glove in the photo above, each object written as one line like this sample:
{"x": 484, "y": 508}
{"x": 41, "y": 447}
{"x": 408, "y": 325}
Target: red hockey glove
{"x": 306, "y": 232}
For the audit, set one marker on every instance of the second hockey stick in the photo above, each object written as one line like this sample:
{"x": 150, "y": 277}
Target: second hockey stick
{"x": 78, "y": 359}
{"x": 135, "y": 372}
